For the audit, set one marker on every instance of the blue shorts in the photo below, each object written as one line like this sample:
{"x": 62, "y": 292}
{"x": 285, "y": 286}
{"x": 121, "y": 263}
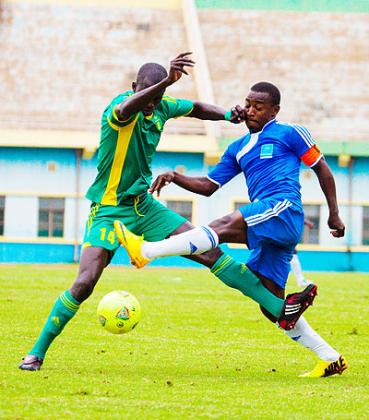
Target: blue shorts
{"x": 274, "y": 228}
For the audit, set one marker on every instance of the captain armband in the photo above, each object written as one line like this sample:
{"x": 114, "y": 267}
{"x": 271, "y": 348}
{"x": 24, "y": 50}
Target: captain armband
{"x": 312, "y": 156}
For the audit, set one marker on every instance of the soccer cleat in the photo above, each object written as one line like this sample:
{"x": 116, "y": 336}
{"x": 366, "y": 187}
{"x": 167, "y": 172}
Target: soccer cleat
{"x": 324, "y": 369}
{"x": 31, "y": 362}
{"x": 132, "y": 243}
{"x": 295, "y": 305}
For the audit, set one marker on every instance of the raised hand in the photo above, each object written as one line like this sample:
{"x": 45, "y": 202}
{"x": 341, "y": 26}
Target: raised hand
{"x": 161, "y": 181}
{"x": 177, "y": 66}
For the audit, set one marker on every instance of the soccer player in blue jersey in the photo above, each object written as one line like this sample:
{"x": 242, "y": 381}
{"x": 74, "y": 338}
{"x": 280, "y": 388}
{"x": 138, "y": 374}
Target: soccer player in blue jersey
{"x": 269, "y": 156}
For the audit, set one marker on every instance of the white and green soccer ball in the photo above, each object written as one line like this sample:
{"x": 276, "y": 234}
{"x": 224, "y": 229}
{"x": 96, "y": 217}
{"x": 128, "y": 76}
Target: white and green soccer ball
{"x": 119, "y": 312}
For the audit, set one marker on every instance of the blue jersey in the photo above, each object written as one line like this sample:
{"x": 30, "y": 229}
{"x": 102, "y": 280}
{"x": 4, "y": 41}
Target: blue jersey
{"x": 270, "y": 160}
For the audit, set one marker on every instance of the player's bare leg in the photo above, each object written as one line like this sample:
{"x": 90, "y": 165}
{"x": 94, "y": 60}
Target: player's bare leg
{"x": 93, "y": 262}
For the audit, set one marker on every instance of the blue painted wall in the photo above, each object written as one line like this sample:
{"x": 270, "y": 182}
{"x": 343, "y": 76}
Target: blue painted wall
{"x": 63, "y": 253}
{"x": 24, "y": 176}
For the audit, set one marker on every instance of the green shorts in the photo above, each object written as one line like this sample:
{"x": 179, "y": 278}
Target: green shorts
{"x": 143, "y": 215}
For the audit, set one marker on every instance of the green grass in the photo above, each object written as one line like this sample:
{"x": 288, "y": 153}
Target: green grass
{"x": 201, "y": 350}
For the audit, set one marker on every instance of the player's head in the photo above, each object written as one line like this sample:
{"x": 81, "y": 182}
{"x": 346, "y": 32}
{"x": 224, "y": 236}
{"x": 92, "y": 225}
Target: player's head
{"x": 261, "y": 105}
{"x": 150, "y": 74}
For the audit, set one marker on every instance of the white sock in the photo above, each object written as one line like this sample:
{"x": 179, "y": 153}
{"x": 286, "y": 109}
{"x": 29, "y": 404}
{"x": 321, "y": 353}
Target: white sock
{"x": 307, "y": 337}
{"x": 195, "y": 241}
{"x": 297, "y": 270}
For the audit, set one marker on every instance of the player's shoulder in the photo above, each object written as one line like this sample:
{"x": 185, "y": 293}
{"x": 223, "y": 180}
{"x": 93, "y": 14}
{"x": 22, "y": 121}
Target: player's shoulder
{"x": 292, "y": 128}
{"x": 236, "y": 145}
{"x": 115, "y": 101}
{"x": 121, "y": 97}
{"x": 168, "y": 102}
{"x": 296, "y": 132}
{"x": 169, "y": 99}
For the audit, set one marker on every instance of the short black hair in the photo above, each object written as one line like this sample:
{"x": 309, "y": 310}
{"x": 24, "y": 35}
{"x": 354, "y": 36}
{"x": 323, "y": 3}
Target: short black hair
{"x": 153, "y": 72}
{"x": 269, "y": 88}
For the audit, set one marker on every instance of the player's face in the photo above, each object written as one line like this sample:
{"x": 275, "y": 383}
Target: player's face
{"x": 150, "y": 107}
{"x": 259, "y": 110}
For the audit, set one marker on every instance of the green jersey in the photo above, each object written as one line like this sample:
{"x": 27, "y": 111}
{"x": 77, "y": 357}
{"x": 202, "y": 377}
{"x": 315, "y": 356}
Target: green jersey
{"x": 127, "y": 148}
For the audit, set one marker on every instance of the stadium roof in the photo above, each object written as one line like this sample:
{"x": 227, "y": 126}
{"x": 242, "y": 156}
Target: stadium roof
{"x": 342, "y": 6}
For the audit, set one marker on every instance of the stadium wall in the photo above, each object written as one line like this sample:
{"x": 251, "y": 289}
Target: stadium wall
{"x": 318, "y": 59}
{"x": 28, "y": 174}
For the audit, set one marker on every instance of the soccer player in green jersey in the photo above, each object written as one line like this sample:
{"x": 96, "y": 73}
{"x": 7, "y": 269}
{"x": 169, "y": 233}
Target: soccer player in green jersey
{"x": 131, "y": 128}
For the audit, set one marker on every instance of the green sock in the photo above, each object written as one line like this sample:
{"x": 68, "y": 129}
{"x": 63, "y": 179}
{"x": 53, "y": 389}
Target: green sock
{"x": 64, "y": 309}
{"x": 237, "y": 275}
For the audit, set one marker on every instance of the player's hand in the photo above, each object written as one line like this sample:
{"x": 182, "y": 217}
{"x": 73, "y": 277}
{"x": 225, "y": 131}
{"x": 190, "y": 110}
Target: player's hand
{"x": 161, "y": 181}
{"x": 336, "y": 225}
{"x": 308, "y": 223}
{"x": 177, "y": 67}
{"x": 237, "y": 114}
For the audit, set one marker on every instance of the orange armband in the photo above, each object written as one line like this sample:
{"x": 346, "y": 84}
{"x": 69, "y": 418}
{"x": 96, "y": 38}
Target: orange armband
{"x": 311, "y": 156}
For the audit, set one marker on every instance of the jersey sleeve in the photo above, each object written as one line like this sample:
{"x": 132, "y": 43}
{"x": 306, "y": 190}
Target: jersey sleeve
{"x": 304, "y": 146}
{"x": 226, "y": 169}
{"x": 177, "y": 107}
{"x": 111, "y": 114}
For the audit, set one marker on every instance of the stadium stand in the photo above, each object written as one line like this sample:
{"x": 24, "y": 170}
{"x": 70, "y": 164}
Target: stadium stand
{"x": 61, "y": 64}
{"x": 54, "y": 56}
{"x": 319, "y": 60}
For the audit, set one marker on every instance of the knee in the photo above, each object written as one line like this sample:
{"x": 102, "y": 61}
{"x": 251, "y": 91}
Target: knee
{"x": 83, "y": 286}
{"x": 221, "y": 225}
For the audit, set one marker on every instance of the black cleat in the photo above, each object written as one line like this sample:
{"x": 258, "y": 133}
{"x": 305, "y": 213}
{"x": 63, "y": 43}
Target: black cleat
{"x": 295, "y": 305}
{"x": 31, "y": 363}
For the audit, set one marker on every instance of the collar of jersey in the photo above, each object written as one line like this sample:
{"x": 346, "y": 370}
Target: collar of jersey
{"x": 266, "y": 125}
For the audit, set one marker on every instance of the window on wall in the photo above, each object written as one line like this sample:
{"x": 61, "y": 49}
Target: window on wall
{"x": 366, "y": 225}
{"x": 51, "y": 217}
{"x": 2, "y": 213}
{"x": 312, "y": 213}
{"x": 184, "y": 208}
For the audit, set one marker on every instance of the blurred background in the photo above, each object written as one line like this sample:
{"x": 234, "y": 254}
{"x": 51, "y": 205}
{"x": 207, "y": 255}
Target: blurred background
{"x": 62, "y": 62}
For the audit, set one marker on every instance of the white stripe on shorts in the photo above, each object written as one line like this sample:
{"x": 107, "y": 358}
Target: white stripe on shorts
{"x": 268, "y": 214}
{"x": 271, "y": 210}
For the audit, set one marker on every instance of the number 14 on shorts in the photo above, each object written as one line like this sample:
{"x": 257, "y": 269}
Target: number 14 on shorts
{"x": 107, "y": 237}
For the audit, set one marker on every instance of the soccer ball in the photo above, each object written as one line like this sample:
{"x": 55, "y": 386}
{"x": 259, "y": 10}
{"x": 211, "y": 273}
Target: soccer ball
{"x": 119, "y": 312}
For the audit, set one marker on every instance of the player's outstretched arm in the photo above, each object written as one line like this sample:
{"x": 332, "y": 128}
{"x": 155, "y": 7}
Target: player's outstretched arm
{"x": 198, "y": 185}
{"x": 140, "y": 99}
{"x": 328, "y": 186}
{"x": 204, "y": 111}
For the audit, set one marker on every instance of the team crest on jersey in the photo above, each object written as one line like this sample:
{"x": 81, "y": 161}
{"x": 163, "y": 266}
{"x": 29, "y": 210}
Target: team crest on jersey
{"x": 266, "y": 151}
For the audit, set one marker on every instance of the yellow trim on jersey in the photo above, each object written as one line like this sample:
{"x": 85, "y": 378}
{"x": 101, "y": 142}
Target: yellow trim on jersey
{"x": 183, "y": 115}
{"x": 116, "y": 117}
{"x": 124, "y": 136}
{"x": 169, "y": 99}
{"x": 112, "y": 125}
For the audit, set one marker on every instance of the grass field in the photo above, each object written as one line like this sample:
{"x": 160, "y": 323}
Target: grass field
{"x": 201, "y": 350}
